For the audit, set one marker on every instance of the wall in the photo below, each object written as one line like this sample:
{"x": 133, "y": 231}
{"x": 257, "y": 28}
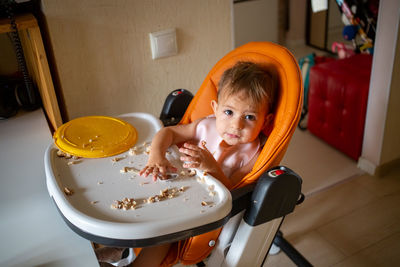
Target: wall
{"x": 297, "y": 23}
{"x": 255, "y": 21}
{"x": 391, "y": 144}
{"x": 103, "y": 57}
{"x": 335, "y": 26}
{"x": 335, "y": 17}
{"x": 381, "y": 122}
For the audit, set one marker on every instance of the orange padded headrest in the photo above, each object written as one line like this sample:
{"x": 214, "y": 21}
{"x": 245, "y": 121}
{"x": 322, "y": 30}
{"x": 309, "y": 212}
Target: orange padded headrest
{"x": 281, "y": 64}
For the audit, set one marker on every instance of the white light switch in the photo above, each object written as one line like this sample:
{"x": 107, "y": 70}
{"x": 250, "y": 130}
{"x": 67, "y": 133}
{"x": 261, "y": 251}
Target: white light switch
{"x": 163, "y": 43}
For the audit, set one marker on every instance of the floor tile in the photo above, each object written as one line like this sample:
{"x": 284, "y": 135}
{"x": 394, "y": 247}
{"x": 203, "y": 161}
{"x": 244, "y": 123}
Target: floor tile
{"x": 381, "y": 186}
{"x": 318, "y": 164}
{"x": 384, "y": 253}
{"x": 317, "y": 250}
{"x": 278, "y": 260}
{"x": 313, "y": 247}
{"x": 365, "y": 226}
{"x": 325, "y": 207}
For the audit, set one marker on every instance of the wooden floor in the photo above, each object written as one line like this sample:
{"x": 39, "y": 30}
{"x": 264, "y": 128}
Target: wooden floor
{"x": 353, "y": 223}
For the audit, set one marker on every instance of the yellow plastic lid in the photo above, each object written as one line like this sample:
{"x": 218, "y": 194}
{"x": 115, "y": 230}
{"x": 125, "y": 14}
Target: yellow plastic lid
{"x": 95, "y": 136}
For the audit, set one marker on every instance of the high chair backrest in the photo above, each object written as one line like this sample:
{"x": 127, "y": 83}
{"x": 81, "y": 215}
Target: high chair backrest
{"x": 283, "y": 66}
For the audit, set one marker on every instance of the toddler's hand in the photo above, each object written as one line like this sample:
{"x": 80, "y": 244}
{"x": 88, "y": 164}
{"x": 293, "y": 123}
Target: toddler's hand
{"x": 157, "y": 168}
{"x": 197, "y": 157}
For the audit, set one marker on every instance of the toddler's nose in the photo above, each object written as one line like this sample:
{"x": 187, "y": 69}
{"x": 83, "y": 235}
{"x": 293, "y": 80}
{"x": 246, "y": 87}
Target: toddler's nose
{"x": 237, "y": 124}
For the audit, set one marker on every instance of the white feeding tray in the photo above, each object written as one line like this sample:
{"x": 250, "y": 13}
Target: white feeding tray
{"x": 165, "y": 211}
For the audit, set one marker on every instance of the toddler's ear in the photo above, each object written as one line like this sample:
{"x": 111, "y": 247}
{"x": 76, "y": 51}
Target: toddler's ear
{"x": 268, "y": 120}
{"x": 214, "y": 106}
{"x": 267, "y": 127}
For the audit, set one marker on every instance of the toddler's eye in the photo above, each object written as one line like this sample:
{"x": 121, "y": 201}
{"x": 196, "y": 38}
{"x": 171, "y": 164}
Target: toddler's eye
{"x": 250, "y": 117}
{"x": 228, "y": 112}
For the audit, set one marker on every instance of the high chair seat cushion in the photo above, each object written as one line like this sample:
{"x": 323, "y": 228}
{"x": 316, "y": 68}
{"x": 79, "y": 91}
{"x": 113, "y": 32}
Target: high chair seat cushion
{"x": 283, "y": 67}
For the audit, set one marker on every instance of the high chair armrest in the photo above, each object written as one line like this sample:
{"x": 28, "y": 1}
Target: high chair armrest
{"x": 276, "y": 194}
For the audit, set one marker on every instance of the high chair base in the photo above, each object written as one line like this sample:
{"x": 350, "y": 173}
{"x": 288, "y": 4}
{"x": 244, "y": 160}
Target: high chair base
{"x": 290, "y": 251}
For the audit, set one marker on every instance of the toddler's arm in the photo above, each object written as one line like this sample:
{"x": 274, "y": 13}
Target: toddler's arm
{"x": 201, "y": 158}
{"x": 157, "y": 164}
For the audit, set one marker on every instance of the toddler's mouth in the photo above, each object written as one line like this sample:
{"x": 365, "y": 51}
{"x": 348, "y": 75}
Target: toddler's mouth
{"x": 233, "y": 136}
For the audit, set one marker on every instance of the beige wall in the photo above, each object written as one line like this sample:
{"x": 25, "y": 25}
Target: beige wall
{"x": 255, "y": 21}
{"x": 297, "y": 22}
{"x": 391, "y": 140}
{"x": 103, "y": 56}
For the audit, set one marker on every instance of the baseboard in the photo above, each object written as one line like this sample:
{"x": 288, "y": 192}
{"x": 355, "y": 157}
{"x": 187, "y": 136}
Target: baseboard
{"x": 366, "y": 166}
{"x": 377, "y": 170}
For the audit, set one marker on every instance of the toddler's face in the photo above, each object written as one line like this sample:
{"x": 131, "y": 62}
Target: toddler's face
{"x": 238, "y": 119}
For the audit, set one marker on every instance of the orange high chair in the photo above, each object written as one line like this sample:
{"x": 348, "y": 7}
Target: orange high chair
{"x": 268, "y": 192}
{"x": 238, "y": 233}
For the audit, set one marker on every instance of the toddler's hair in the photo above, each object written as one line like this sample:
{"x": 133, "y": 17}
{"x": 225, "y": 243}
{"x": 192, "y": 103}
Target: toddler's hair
{"x": 250, "y": 78}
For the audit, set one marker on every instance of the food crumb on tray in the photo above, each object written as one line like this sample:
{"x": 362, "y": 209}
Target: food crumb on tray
{"x": 201, "y": 180}
{"x": 191, "y": 173}
{"x": 129, "y": 170}
{"x": 116, "y": 159}
{"x": 131, "y": 204}
{"x": 125, "y": 204}
{"x": 74, "y": 162}
{"x": 68, "y": 191}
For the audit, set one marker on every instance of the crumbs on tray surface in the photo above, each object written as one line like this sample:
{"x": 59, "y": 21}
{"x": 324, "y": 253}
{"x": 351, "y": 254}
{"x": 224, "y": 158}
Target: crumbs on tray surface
{"x": 128, "y": 203}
